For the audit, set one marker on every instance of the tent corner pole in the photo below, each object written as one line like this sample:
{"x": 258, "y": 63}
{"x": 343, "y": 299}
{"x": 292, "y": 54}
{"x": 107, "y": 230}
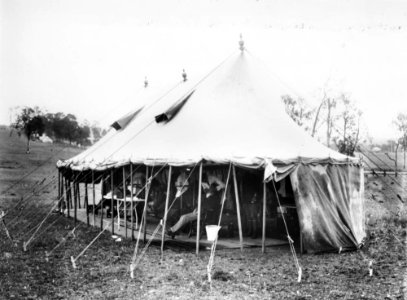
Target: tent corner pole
{"x": 63, "y": 196}
{"x": 59, "y": 190}
{"x": 132, "y": 204}
{"x": 167, "y": 198}
{"x": 79, "y": 194}
{"x": 198, "y": 220}
{"x": 112, "y": 201}
{"x": 93, "y": 196}
{"x": 124, "y": 203}
{"x": 239, "y": 220}
{"x": 75, "y": 198}
{"x": 263, "y": 237}
{"x": 102, "y": 200}
{"x": 68, "y": 196}
{"x": 86, "y": 204}
{"x": 144, "y": 218}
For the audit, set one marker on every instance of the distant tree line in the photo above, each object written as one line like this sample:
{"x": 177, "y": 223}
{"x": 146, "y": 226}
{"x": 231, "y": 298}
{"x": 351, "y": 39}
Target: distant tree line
{"x": 336, "y": 120}
{"x": 60, "y": 127}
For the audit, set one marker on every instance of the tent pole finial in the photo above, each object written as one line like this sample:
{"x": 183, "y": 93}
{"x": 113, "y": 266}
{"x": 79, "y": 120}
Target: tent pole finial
{"x": 241, "y": 43}
{"x": 145, "y": 82}
{"x": 184, "y": 75}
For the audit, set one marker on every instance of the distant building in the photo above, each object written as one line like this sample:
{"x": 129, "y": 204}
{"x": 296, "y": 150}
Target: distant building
{"x": 45, "y": 139}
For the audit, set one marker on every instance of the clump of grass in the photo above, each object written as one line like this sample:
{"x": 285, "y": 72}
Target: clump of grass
{"x": 222, "y": 276}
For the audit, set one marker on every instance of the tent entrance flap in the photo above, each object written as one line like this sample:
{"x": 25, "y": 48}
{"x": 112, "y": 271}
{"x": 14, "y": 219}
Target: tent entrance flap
{"x": 329, "y": 200}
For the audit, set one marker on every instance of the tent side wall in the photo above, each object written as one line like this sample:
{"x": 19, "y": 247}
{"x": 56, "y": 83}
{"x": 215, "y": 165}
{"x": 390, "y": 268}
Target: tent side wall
{"x": 329, "y": 200}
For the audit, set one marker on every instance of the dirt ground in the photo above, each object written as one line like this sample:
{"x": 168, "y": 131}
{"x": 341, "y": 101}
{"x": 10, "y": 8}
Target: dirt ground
{"x": 28, "y": 190}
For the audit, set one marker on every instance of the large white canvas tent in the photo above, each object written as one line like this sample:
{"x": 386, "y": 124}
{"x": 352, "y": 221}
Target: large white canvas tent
{"x": 235, "y": 116}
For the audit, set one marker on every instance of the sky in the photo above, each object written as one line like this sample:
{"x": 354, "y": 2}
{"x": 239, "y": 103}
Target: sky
{"x": 91, "y": 57}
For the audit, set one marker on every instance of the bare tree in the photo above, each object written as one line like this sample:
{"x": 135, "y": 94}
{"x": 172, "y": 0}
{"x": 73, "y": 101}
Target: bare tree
{"x": 298, "y": 111}
{"x": 401, "y": 126}
{"x": 331, "y": 104}
{"x": 349, "y": 119}
{"x": 316, "y": 118}
{"x": 395, "y": 160}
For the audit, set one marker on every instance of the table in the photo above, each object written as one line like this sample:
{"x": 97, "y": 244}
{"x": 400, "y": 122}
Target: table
{"x": 124, "y": 204}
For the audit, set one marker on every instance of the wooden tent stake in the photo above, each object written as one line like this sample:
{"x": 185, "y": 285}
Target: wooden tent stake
{"x": 263, "y": 236}
{"x": 198, "y": 220}
{"x": 167, "y": 198}
{"x": 239, "y": 221}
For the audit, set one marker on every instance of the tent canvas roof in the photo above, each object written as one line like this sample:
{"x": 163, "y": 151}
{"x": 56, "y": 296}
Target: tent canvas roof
{"x": 235, "y": 114}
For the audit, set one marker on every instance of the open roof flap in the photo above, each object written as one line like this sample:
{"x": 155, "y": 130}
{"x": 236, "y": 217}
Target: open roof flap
{"x": 124, "y": 121}
{"x": 171, "y": 112}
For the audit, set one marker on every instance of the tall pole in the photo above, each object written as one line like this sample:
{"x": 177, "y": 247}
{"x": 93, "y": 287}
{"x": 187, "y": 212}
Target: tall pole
{"x": 167, "y": 198}
{"x": 103, "y": 200}
{"x": 86, "y": 203}
{"x": 144, "y": 218}
{"x": 93, "y": 196}
{"x": 124, "y": 203}
{"x": 68, "y": 195}
{"x": 198, "y": 221}
{"x": 239, "y": 220}
{"x": 79, "y": 194}
{"x": 112, "y": 200}
{"x": 75, "y": 202}
{"x": 59, "y": 191}
{"x": 132, "y": 203}
{"x": 63, "y": 196}
{"x": 263, "y": 239}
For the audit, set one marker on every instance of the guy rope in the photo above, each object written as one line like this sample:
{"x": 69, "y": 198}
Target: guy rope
{"x": 290, "y": 240}
{"x": 136, "y": 259}
{"x": 63, "y": 240}
{"x": 213, "y": 248}
{"x": 2, "y": 214}
{"x": 73, "y": 260}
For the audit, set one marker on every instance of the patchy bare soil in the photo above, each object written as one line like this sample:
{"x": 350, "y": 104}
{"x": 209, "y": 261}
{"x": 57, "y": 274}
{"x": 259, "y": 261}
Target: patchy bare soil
{"x": 103, "y": 270}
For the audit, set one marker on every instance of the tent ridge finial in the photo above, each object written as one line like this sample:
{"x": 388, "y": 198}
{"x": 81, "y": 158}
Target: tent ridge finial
{"x": 241, "y": 43}
{"x": 145, "y": 82}
{"x": 184, "y": 75}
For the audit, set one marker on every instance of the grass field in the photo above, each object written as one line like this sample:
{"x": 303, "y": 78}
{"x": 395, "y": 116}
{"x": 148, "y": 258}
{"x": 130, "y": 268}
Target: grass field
{"x": 103, "y": 270}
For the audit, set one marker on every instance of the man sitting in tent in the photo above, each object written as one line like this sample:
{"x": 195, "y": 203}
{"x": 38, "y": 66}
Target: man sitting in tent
{"x": 210, "y": 204}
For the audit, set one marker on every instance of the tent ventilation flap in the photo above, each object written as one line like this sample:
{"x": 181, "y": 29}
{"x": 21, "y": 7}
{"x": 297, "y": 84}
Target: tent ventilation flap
{"x": 173, "y": 110}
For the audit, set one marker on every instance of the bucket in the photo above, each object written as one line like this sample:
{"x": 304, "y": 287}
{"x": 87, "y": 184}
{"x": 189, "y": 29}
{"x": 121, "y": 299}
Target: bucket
{"x": 212, "y": 232}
